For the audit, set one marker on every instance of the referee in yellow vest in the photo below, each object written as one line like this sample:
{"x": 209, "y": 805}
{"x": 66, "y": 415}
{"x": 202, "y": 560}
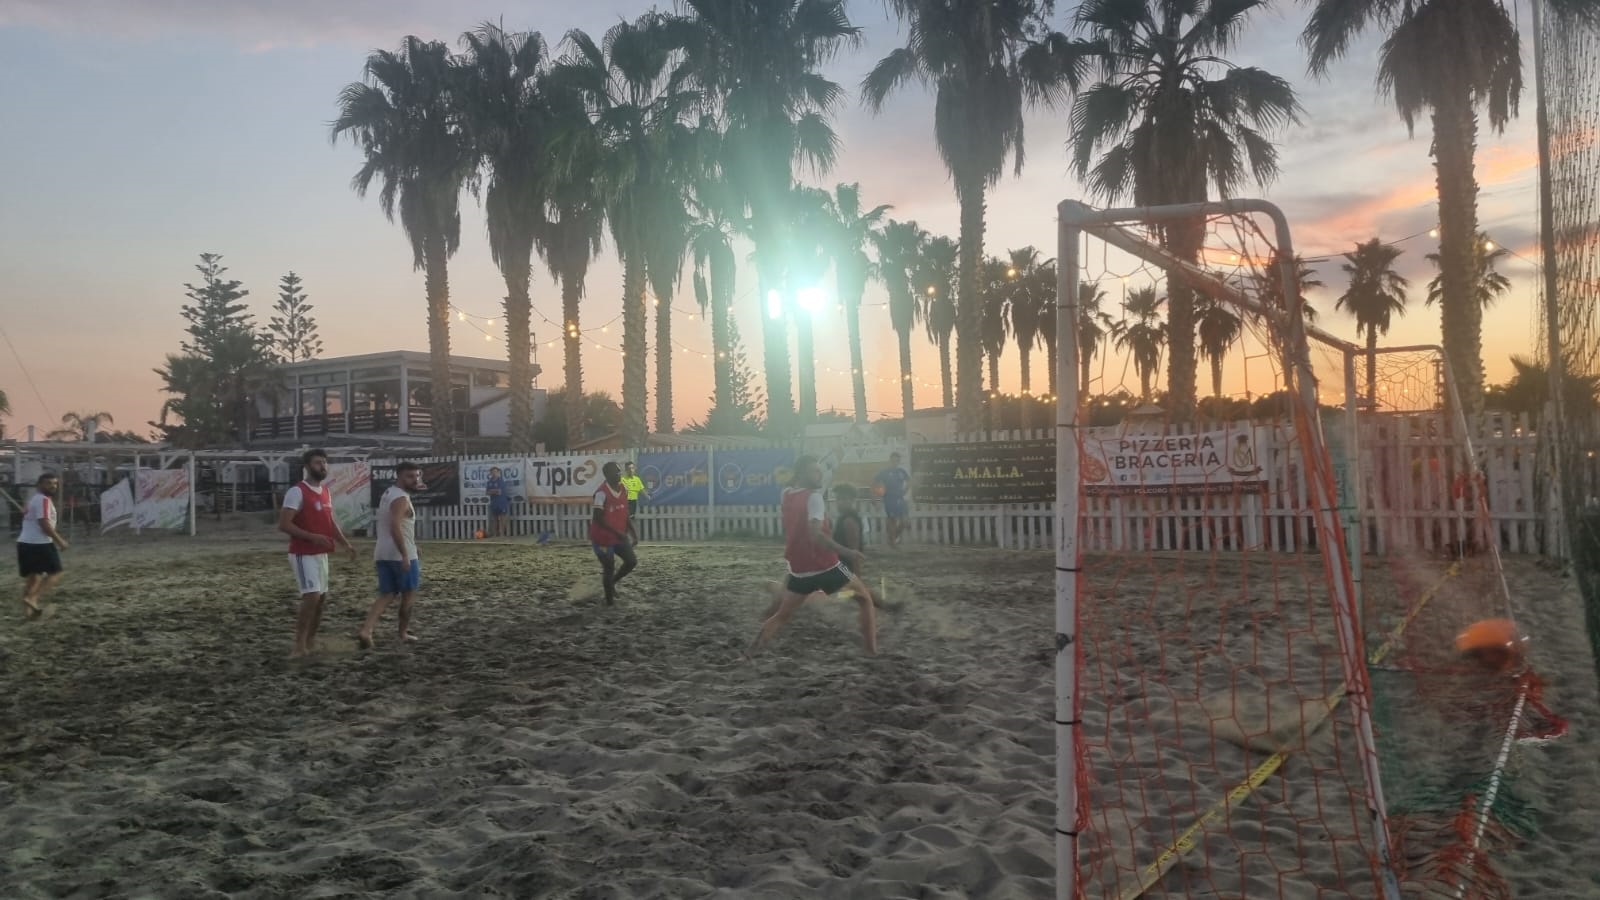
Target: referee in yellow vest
{"x": 634, "y": 486}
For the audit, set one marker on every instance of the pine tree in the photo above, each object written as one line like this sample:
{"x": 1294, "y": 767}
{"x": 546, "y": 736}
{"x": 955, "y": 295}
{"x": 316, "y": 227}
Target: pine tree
{"x": 223, "y": 363}
{"x": 739, "y": 416}
{"x": 294, "y": 331}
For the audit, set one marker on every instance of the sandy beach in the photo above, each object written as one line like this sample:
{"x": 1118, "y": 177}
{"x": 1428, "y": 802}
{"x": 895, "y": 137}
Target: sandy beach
{"x": 157, "y": 742}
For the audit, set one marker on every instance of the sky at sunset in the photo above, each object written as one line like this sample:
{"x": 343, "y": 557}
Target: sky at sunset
{"x": 140, "y": 133}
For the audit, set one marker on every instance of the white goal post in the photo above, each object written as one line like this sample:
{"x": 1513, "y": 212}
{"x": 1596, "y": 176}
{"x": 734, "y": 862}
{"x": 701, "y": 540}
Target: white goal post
{"x": 1075, "y": 220}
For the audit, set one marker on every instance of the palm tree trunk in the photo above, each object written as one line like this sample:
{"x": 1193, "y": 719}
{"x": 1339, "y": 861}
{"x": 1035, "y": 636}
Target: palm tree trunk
{"x": 1461, "y": 315}
{"x": 437, "y": 280}
{"x": 1025, "y": 351}
{"x": 572, "y": 342}
{"x": 1372, "y": 368}
{"x": 946, "y": 375}
{"x": 858, "y": 376}
{"x": 722, "y": 275}
{"x": 907, "y": 389}
{"x": 663, "y": 310}
{"x": 1216, "y": 376}
{"x": 969, "y": 314}
{"x": 805, "y": 349}
{"x": 634, "y": 365}
{"x": 1051, "y": 360}
{"x": 774, "y": 329}
{"x": 1184, "y": 239}
{"x": 519, "y": 350}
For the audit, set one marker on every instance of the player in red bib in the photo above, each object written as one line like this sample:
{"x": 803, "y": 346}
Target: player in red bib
{"x": 611, "y": 532}
{"x": 813, "y": 557}
{"x": 307, "y": 518}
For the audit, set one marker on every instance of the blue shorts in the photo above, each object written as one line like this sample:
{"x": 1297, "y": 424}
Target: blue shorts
{"x": 395, "y": 577}
{"x": 896, "y": 507}
{"x": 499, "y": 507}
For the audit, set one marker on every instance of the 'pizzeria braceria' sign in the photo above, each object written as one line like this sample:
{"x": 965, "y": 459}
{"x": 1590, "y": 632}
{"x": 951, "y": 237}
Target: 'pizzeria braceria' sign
{"x": 1218, "y": 461}
{"x": 994, "y": 472}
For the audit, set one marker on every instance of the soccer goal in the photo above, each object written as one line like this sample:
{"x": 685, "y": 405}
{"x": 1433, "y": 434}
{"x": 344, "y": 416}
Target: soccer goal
{"x": 1259, "y": 600}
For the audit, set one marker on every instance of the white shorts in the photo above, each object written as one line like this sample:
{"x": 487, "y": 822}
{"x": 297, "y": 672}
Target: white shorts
{"x": 310, "y": 573}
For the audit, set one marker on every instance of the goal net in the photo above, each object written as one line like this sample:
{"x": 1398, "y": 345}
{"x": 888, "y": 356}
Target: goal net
{"x": 1230, "y": 570}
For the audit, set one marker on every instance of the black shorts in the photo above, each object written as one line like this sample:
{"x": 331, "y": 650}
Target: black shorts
{"x": 633, "y": 508}
{"x": 829, "y": 582}
{"x": 38, "y": 559}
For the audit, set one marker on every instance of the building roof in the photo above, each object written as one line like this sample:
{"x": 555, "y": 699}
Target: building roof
{"x": 389, "y": 356}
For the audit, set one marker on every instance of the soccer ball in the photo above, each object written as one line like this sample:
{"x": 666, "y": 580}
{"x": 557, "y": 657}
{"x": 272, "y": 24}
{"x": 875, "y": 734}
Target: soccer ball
{"x": 480, "y": 534}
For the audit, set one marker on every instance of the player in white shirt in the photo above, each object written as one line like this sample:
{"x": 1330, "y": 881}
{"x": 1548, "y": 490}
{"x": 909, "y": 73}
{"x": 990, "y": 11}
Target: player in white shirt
{"x": 399, "y": 568}
{"x": 39, "y": 545}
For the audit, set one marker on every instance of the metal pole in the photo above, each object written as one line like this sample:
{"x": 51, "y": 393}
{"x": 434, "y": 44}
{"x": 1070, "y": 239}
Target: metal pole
{"x": 1553, "y": 429}
{"x": 134, "y": 485}
{"x": 1355, "y": 534}
{"x": 1068, "y": 724}
{"x": 711, "y": 491}
{"x": 193, "y": 487}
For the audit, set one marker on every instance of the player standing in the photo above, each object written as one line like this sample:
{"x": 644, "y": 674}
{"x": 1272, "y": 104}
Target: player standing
{"x": 611, "y": 532}
{"x": 813, "y": 557}
{"x": 499, "y": 502}
{"x": 307, "y": 518}
{"x": 635, "y": 487}
{"x": 894, "y": 482}
{"x": 399, "y": 567}
{"x": 39, "y": 545}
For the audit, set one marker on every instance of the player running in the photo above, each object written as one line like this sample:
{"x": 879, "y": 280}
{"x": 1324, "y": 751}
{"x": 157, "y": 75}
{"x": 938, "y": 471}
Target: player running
{"x": 813, "y": 557}
{"x": 399, "y": 567}
{"x": 39, "y": 545}
{"x": 611, "y": 532}
{"x": 307, "y": 518}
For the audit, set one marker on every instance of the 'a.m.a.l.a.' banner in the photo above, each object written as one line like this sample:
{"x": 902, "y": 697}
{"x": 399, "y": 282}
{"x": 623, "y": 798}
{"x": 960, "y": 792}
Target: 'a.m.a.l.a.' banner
{"x": 441, "y": 483}
{"x": 116, "y": 506}
{"x": 475, "y": 475}
{"x": 566, "y": 479}
{"x": 676, "y": 477}
{"x": 351, "y": 486}
{"x": 1127, "y": 461}
{"x": 161, "y": 498}
{"x": 991, "y": 472}
{"x": 753, "y": 477}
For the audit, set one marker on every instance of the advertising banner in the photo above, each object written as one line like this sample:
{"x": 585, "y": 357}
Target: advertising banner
{"x": 566, "y": 479}
{"x": 350, "y": 484}
{"x": 992, "y": 472}
{"x": 116, "y": 506}
{"x": 753, "y": 477}
{"x": 859, "y": 466}
{"x": 676, "y": 478}
{"x": 475, "y": 478}
{"x": 1117, "y": 461}
{"x": 162, "y": 498}
{"x": 441, "y": 480}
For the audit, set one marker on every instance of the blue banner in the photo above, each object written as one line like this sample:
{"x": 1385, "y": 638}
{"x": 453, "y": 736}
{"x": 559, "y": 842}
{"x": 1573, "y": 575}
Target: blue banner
{"x": 753, "y": 477}
{"x": 675, "y": 477}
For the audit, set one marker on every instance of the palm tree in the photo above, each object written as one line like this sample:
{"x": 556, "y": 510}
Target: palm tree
{"x": 716, "y": 221}
{"x": 5, "y": 409}
{"x": 995, "y": 326}
{"x": 1377, "y": 293}
{"x": 986, "y": 62}
{"x": 1169, "y": 119}
{"x": 850, "y": 231}
{"x": 1271, "y": 282}
{"x": 640, "y": 145}
{"x": 808, "y": 257}
{"x": 1093, "y": 327}
{"x": 1448, "y": 57}
{"x": 1026, "y": 305}
{"x": 757, "y": 66}
{"x": 508, "y": 119}
{"x": 1529, "y": 389}
{"x": 568, "y": 242}
{"x": 1217, "y": 327}
{"x": 900, "y": 246}
{"x": 80, "y": 426}
{"x": 405, "y": 118}
{"x": 1144, "y": 336}
{"x": 1487, "y": 284}
{"x": 937, "y": 275}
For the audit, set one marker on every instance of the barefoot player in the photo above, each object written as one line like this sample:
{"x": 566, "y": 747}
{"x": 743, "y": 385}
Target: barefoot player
{"x": 814, "y": 557}
{"x": 611, "y": 532}
{"x": 399, "y": 567}
{"x": 892, "y": 484}
{"x": 307, "y": 518}
{"x": 39, "y": 545}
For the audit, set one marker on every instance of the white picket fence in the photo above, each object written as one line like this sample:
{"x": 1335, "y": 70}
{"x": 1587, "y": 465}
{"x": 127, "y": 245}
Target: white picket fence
{"x": 1412, "y": 499}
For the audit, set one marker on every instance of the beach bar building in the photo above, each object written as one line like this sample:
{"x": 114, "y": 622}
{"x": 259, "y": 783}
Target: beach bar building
{"x": 384, "y": 398}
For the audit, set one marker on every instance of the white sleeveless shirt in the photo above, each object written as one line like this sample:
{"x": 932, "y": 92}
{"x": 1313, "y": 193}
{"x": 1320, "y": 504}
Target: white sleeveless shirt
{"x": 386, "y": 549}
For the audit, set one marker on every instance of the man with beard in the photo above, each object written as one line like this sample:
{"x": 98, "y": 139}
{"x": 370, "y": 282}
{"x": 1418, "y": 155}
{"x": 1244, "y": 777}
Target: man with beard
{"x": 39, "y": 545}
{"x": 307, "y": 518}
{"x": 399, "y": 568}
